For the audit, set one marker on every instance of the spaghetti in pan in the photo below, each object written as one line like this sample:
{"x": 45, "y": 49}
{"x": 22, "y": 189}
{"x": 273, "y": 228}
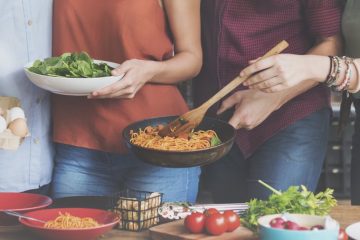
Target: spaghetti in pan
{"x": 196, "y": 140}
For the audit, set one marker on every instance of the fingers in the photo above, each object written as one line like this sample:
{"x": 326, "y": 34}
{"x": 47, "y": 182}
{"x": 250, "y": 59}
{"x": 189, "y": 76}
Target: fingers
{"x": 118, "y": 87}
{"x": 242, "y": 120}
{"x": 275, "y": 88}
{"x": 234, "y": 121}
{"x": 262, "y": 77}
{"x": 123, "y": 88}
{"x": 122, "y": 69}
{"x": 254, "y": 60}
{"x": 229, "y": 102}
{"x": 258, "y": 66}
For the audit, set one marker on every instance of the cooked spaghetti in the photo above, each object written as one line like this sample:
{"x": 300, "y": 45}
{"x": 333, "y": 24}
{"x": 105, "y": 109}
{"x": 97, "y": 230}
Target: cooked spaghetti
{"x": 67, "y": 221}
{"x": 149, "y": 138}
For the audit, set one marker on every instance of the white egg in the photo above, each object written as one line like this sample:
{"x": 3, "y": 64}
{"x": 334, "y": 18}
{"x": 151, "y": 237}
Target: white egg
{"x": 15, "y": 113}
{"x": 2, "y": 124}
{"x": 19, "y": 127}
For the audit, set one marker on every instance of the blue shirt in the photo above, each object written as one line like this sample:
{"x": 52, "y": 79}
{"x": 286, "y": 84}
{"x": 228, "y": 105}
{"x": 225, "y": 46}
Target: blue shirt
{"x": 25, "y": 35}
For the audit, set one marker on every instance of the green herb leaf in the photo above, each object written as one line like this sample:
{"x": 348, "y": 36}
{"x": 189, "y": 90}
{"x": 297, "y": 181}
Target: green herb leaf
{"x": 296, "y": 199}
{"x": 214, "y": 141}
{"x": 72, "y": 65}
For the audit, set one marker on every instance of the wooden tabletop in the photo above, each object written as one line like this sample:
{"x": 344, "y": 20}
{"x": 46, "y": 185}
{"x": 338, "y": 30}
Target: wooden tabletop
{"x": 344, "y": 213}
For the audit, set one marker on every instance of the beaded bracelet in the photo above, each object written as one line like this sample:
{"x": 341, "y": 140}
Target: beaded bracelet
{"x": 339, "y": 68}
{"x": 346, "y": 81}
{"x": 331, "y": 76}
{"x": 335, "y": 73}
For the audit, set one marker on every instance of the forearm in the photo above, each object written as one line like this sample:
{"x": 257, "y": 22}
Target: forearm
{"x": 182, "y": 66}
{"x": 184, "y": 21}
{"x": 316, "y": 72}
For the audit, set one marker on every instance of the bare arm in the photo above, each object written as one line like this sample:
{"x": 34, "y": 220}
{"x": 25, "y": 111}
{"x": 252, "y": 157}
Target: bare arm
{"x": 184, "y": 20}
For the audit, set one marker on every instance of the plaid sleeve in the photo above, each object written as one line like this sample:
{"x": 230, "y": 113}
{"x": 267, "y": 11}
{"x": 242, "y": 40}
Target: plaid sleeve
{"x": 323, "y": 17}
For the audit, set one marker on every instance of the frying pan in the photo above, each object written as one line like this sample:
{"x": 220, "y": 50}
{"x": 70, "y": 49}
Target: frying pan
{"x": 182, "y": 159}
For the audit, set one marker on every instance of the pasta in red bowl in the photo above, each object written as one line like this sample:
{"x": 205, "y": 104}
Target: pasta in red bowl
{"x": 70, "y": 223}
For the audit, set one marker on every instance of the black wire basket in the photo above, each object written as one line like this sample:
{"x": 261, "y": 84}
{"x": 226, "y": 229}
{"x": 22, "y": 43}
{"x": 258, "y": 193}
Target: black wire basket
{"x": 138, "y": 210}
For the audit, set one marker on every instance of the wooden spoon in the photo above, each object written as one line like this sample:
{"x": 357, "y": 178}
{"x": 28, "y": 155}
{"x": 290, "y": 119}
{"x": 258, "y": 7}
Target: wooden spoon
{"x": 190, "y": 120}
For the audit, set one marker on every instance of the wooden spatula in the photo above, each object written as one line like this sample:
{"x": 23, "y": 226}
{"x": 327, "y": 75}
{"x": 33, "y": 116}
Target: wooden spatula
{"x": 190, "y": 120}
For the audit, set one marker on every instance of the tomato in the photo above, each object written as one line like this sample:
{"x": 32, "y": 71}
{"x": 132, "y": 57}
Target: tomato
{"x": 210, "y": 211}
{"x": 215, "y": 224}
{"x": 278, "y": 223}
{"x": 342, "y": 235}
{"x": 317, "y": 227}
{"x": 232, "y": 220}
{"x": 195, "y": 222}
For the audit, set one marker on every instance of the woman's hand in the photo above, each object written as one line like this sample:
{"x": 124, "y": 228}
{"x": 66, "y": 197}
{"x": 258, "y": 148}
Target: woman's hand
{"x": 284, "y": 71}
{"x": 252, "y": 107}
{"x": 136, "y": 73}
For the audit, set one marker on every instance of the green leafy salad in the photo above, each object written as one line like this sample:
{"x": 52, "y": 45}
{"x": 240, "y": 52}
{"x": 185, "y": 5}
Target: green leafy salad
{"x": 294, "y": 200}
{"x": 71, "y": 65}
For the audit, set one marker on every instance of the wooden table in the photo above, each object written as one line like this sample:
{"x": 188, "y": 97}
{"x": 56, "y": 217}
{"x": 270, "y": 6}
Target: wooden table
{"x": 344, "y": 213}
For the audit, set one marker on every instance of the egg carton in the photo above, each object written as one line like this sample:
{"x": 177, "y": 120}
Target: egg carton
{"x": 9, "y": 141}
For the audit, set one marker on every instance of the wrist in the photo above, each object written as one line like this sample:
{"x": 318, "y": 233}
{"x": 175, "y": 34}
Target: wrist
{"x": 318, "y": 68}
{"x": 154, "y": 70}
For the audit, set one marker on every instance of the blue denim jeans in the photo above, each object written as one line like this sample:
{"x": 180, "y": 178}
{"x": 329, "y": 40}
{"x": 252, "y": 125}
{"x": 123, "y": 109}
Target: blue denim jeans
{"x": 85, "y": 172}
{"x": 355, "y": 161}
{"x": 293, "y": 156}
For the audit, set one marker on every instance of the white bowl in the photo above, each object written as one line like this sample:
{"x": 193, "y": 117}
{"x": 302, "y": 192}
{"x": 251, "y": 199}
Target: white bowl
{"x": 268, "y": 233}
{"x": 71, "y": 86}
{"x": 353, "y": 231}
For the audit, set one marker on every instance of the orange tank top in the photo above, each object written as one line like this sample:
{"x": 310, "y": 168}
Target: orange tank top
{"x": 112, "y": 30}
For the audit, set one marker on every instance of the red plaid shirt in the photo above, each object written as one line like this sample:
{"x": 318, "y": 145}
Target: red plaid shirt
{"x": 236, "y": 31}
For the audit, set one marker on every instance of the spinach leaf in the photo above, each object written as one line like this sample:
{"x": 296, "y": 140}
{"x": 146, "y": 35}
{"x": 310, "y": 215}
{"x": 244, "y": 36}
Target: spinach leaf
{"x": 71, "y": 65}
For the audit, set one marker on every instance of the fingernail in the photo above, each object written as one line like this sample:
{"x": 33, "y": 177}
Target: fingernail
{"x": 245, "y": 83}
{"x": 242, "y": 74}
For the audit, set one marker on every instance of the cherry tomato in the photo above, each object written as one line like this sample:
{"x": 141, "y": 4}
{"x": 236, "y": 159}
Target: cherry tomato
{"x": 232, "y": 220}
{"x": 317, "y": 227}
{"x": 303, "y": 229}
{"x": 291, "y": 225}
{"x": 210, "y": 211}
{"x": 342, "y": 235}
{"x": 195, "y": 222}
{"x": 277, "y": 223}
{"x": 215, "y": 224}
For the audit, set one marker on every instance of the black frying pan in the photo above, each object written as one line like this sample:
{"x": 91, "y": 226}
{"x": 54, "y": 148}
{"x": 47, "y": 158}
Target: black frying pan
{"x": 181, "y": 159}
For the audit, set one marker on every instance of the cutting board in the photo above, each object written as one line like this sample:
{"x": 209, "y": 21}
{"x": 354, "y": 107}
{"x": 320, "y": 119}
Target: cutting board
{"x": 176, "y": 231}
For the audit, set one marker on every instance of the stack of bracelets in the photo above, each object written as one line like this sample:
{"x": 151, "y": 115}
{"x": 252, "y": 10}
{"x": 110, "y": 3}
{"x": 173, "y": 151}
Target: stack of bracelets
{"x": 335, "y": 73}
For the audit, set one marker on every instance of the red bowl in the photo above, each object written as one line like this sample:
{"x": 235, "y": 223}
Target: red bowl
{"x": 20, "y": 202}
{"x": 106, "y": 219}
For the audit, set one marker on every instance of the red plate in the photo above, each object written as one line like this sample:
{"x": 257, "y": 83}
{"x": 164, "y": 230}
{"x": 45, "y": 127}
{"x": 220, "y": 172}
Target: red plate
{"x": 20, "y": 202}
{"x": 106, "y": 219}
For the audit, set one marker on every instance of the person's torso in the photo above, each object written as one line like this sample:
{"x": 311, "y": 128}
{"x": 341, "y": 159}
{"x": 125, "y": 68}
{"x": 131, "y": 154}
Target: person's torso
{"x": 113, "y": 30}
{"x": 234, "y": 32}
{"x": 25, "y": 35}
